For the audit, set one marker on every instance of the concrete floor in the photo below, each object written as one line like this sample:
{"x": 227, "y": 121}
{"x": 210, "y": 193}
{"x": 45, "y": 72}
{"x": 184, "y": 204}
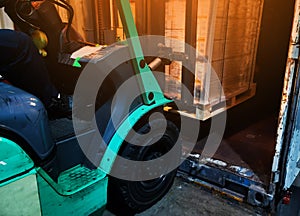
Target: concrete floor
{"x": 252, "y": 148}
{"x": 192, "y": 200}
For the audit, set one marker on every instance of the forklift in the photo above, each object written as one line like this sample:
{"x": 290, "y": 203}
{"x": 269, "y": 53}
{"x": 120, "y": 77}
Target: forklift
{"x": 74, "y": 165}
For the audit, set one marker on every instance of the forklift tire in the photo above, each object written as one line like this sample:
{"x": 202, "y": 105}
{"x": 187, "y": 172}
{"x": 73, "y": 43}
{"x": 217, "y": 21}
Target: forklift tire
{"x": 131, "y": 197}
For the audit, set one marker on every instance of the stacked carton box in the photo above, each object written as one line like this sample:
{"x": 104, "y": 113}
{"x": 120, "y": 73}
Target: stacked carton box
{"x": 227, "y": 35}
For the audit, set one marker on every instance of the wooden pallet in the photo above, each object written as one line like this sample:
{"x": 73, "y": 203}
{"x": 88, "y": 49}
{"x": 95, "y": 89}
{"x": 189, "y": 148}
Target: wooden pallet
{"x": 234, "y": 100}
{"x": 205, "y": 112}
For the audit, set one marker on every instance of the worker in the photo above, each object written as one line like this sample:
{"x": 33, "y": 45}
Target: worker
{"x": 22, "y": 66}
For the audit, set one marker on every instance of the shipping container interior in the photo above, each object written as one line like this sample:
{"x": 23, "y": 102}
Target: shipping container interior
{"x": 246, "y": 42}
{"x": 248, "y": 146}
{"x": 252, "y": 126}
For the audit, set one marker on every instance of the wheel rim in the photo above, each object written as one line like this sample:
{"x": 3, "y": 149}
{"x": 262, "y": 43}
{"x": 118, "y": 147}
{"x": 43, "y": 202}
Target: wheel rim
{"x": 155, "y": 187}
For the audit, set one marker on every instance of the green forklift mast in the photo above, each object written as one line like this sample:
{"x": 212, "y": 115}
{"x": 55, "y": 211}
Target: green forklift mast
{"x": 152, "y": 94}
{"x": 148, "y": 84}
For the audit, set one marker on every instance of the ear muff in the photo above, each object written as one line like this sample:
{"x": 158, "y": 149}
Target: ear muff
{"x": 40, "y": 40}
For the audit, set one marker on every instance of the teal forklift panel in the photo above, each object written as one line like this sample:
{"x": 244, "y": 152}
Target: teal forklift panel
{"x": 20, "y": 197}
{"x": 18, "y": 186}
{"x": 79, "y": 191}
{"x": 119, "y": 137}
{"x": 14, "y": 162}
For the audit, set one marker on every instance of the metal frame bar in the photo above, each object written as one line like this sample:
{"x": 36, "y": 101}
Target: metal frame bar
{"x": 149, "y": 86}
{"x": 153, "y": 96}
{"x": 188, "y": 77}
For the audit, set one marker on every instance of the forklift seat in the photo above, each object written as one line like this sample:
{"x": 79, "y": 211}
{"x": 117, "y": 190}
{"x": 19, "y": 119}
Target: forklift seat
{"x": 24, "y": 115}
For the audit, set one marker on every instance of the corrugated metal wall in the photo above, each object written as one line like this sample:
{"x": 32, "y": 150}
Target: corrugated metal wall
{"x": 98, "y": 20}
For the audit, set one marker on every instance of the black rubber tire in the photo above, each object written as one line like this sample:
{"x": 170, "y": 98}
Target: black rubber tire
{"x": 130, "y": 197}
